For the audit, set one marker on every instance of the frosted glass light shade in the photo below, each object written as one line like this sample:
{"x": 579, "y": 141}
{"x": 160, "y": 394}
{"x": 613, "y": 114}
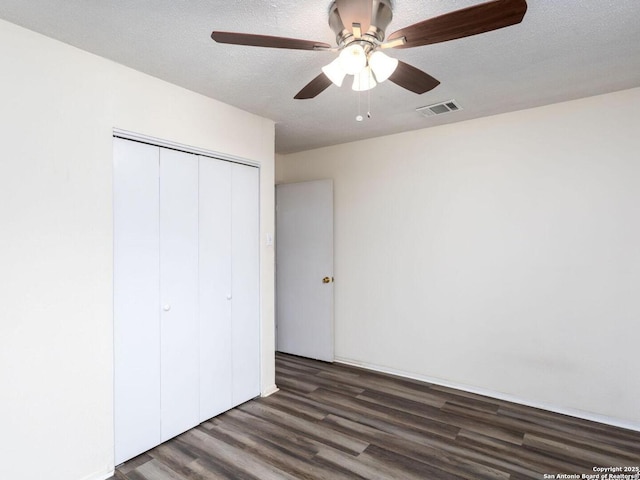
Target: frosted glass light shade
{"x": 382, "y": 65}
{"x": 364, "y": 81}
{"x": 335, "y": 72}
{"x": 352, "y": 59}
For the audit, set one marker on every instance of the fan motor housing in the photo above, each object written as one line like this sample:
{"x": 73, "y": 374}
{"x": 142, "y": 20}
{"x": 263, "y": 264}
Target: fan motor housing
{"x": 381, "y": 16}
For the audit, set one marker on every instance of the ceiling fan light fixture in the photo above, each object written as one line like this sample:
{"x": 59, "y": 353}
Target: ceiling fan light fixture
{"x": 360, "y": 29}
{"x": 353, "y": 59}
{"x": 382, "y": 65}
{"x": 364, "y": 81}
{"x": 335, "y": 72}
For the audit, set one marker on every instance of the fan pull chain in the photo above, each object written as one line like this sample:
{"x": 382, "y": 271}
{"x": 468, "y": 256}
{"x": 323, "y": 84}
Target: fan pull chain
{"x": 359, "y": 116}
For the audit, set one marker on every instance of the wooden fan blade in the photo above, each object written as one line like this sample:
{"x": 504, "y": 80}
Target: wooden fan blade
{"x": 463, "y": 23}
{"x": 314, "y": 88}
{"x": 355, "y": 11}
{"x": 267, "y": 41}
{"x": 413, "y": 79}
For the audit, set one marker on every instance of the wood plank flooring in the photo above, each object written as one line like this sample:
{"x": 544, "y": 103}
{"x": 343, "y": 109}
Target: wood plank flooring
{"x": 334, "y": 422}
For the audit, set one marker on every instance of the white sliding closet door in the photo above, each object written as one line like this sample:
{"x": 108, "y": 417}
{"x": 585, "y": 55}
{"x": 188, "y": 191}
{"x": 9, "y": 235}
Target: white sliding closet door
{"x": 245, "y": 282}
{"x": 186, "y": 292}
{"x": 179, "y": 292}
{"x": 215, "y": 288}
{"x": 136, "y": 298}
{"x": 229, "y": 286}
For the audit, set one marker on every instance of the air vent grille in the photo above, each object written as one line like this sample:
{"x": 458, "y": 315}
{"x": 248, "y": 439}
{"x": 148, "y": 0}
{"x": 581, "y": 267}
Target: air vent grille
{"x": 447, "y": 106}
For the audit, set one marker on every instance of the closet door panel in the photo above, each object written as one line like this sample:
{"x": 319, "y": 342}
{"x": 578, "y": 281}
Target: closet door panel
{"x": 245, "y": 282}
{"x": 179, "y": 292}
{"x": 215, "y": 288}
{"x": 136, "y": 298}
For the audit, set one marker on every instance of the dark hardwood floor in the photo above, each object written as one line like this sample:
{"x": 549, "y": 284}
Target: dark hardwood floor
{"x": 337, "y": 422}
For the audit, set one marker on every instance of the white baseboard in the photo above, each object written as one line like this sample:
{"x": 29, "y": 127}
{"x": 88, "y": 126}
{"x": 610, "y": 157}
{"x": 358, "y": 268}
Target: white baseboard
{"x": 270, "y": 390}
{"x": 100, "y": 476}
{"x": 594, "y": 417}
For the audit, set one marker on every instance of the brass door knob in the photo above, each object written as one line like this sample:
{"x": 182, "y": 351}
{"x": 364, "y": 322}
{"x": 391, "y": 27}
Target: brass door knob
{"x": 326, "y": 280}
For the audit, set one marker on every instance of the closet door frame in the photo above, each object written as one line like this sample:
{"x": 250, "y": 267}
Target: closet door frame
{"x": 159, "y": 142}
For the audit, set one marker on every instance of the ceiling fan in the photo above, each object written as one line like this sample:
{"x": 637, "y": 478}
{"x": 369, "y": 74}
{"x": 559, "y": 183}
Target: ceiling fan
{"x": 360, "y": 26}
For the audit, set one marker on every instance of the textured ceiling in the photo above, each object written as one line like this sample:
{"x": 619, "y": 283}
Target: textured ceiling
{"x": 564, "y": 49}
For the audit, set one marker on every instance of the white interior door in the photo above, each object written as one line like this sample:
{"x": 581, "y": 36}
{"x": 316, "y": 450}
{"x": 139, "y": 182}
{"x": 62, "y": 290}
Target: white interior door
{"x": 136, "y": 298}
{"x": 245, "y": 282}
{"x": 304, "y": 269}
{"x": 179, "y": 344}
{"x": 215, "y": 288}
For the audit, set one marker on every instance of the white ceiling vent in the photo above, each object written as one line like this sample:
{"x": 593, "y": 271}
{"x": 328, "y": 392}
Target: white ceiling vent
{"x": 439, "y": 108}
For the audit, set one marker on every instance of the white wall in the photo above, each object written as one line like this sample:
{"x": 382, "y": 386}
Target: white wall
{"x": 58, "y": 108}
{"x": 501, "y": 254}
